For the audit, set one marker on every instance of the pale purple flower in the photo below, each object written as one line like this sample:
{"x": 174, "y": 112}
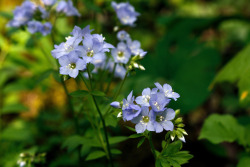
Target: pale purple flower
{"x": 67, "y": 8}
{"x": 158, "y": 101}
{"x": 45, "y": 29}
{"x": 49, "y": 2}
{"x": 34, "y": 26}
{"x": 143, "y": 121}
{"x": 71, "y": 64}
{"x": 143, "y": 100}
{"x": 93, "y": 48}
{"x": 120, "y": 71}
{"x": 22, "y": 14}
{"x": 162, "y": 120}
{"x": 167, "y": 90}
{"x": 131, "y": 112}
{"x": 125, "y": 13}
{"x": 123, "y": 35}
{"x": 121, "y": 54}
{"x": 127, "y": 102}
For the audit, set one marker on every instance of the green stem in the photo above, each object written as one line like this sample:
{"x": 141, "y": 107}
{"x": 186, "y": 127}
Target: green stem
{"x": 102, "y": 120}
{"x": 72, "y": 114}
{"x": 116, "y": 94}
{"x": 112, "y": 76}
{"x": 151, "y": 144}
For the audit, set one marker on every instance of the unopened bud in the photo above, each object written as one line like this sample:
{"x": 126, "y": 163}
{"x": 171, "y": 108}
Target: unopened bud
{"x": 177, "y": 112}
{"x": 119, "y": 115}
{"x": 135, "y": 65}
{"x": 180, "y": 125}
{"x": 182, "y": 131}
{"x": 115, "y": 104}
{"x": 116, "y": 28}
{"x": 178, "y": 120}
{"x": 141, "y": 67}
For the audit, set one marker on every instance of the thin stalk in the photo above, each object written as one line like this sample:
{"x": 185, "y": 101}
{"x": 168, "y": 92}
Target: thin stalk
{"x": 151, "y": 144}
{"x": 116, "y": 94}
{"x": 102, "y": 120}
{"x": 112, "y": 76}
{"x": 100, "y": 138}
{"x": 72, "y": 114}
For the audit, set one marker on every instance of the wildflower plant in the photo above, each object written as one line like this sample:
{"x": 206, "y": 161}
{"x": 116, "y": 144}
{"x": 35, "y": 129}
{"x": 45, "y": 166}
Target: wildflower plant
{"x": 86, "y": 57}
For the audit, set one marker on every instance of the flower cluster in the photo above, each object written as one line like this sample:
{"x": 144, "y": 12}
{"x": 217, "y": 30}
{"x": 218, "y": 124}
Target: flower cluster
{"x": 125, "y": 13}
{"x": 80, "y": 49}
{"x": 149, "y": 111}
{"x": 36, "y": 16}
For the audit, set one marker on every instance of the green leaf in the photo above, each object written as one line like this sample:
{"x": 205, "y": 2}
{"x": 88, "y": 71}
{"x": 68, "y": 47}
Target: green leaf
{"x": 175, "y": 159}
{"x": 237, "y": 71}
{"x": 117, "y": 139}
{"x": 221, "y": 128}
{"x": 111, "y": 120}
{"x": 95, "y": 155}
{"x": 140, "y": 142}
{"x": 244, "y": 162}
{"x": 236, "y": 68}
{"x": 79, "y": 93}
{"x": 98, "y": 93}
{"x": 172, "y": 148}
{"x": 44, "y": 75}
{"x": 6, "y": 15}
{"x": 115, "y": 151}
{"x": 130, "y": 128}
{"x": 135, "y": 135}
{"x": 182, "y": 157}
{"x": 13, "y": 108}
{"x": 73, "y": 142}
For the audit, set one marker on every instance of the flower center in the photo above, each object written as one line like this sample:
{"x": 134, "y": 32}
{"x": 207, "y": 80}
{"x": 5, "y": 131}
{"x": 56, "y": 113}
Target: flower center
{"x": 72, "y": 66}
{"x": 120, "y": 54}
{"x": 157, "y": 105}
{"x": 145, "y": 119}
{"x": 159, "y": 118}
{"x": 90, "y": 53}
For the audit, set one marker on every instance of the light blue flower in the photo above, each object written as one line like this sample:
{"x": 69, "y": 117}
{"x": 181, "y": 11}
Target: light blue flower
{"x": 45, "y": 29}
{"x": 143, "y": 121}
{"x": 71, "y": 64}
{"x": 158, "y": 101}
{"x": 144, "y": 99}
{"x": 67, "y": 8}
{"x": 121, "y": 54}
{"x": 22, "y": 14}
{"x": 162, "y": 120}
{"x": 49, "y": 2}
{"x": 167, "y": 90}
{"x": 72, "y": 44}
{"x": 131, "y": 112}
{"x": 120, "y": 71}
{"x": 123, "y": 35}
{"x": 125, "y": 13}
{"x": 93, "y": 48}
{"x": 43, "y": 12}
{"x": 135, "y": 48}
{"x": 127, "y": 102}
{"x": 34, "y": 26}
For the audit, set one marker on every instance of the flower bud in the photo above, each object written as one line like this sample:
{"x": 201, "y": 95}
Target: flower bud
{"x": 178, "y": 120}
{"x": 119, "y": 115}
{"x": 115, "y": 104}
{"x": 177, "y": 112}
{"x": 141, "y": 67}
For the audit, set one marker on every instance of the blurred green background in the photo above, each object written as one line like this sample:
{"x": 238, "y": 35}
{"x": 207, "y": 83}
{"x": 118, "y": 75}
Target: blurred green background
{"x": 189, "y": 43}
